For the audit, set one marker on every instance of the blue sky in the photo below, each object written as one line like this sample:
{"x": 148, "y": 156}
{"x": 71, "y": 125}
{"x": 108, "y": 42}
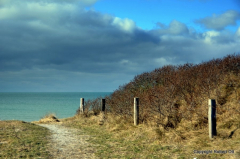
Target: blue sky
{"x": 97, "y": 45}
{"x": 146, "y": 13}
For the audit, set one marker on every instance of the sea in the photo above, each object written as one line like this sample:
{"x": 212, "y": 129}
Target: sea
{"x": 32, "y": 106}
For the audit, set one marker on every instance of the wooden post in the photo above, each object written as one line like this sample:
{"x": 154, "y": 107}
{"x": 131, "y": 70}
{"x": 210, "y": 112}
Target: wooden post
{"x": 81, "y": 105}
{"x": 136, "y": 111}
{"x": 103, "y": 105}
{"x": 212, "y": 118}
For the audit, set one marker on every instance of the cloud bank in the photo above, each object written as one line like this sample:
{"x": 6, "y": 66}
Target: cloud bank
{"x": 219, "y": 22}
{"x": 58, "y": 45}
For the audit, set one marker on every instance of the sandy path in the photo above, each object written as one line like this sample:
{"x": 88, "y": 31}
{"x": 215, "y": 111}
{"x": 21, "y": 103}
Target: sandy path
{"x": 68, "y": 143}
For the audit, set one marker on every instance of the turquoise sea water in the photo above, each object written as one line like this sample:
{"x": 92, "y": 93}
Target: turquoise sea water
{"x": 32, "y": 106}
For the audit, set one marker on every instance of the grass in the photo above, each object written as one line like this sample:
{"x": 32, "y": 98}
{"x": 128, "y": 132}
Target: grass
{"x": 20, "y": 139}
{"x": 114, "y": 137}
{"x": 157, "y": 136}
{"x": 119, "y": 139}
{"x": 49, "y": 115}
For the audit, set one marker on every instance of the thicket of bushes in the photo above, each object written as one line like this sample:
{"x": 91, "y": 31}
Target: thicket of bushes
{"x": 173, "y": 93}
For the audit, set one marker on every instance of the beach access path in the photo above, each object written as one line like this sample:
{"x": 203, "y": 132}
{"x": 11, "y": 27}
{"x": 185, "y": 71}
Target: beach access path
{"x": 68, "y": 143}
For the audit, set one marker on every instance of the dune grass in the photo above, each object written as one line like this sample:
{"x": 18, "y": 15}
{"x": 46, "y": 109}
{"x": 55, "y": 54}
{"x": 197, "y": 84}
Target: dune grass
{"x": 49, "y": 115}
{"x": 173, "y": 113}
{"x": 48, "y": 118}
{"x": 173, "y": 117}
{"x": 116, "y": 138}
{"x": 20, "y": 139}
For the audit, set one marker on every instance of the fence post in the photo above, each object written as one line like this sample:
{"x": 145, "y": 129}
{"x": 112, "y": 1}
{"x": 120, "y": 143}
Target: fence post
{"x": 136, "y": 111}
{"x": 103, "y": 105}
{"x": 81, "y": 105}
{"x": 212, "y": 118}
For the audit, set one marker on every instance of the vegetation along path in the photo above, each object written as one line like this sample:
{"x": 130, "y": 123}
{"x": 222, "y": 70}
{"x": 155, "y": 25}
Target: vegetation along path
{"x": 68, "y": 142}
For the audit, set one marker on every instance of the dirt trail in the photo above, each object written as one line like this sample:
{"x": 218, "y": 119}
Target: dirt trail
{"x": 68, "y": 143}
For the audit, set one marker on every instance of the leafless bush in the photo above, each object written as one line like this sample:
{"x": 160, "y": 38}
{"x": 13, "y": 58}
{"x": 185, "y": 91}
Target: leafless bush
{"x": 171, "y": 93}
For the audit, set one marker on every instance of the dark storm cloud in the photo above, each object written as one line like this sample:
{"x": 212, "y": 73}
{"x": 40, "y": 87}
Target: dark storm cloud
{"x": 85, "y": 41}
{"x": 219, "y": 22}
{"x": 60, "y": 46}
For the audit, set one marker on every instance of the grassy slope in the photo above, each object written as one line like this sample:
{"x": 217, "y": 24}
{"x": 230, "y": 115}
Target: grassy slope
{"x": 119, "y": 139}
{"x": 189, "y": 89}
{"x": 116, "y": 137}
{"x": 23, "y": 140}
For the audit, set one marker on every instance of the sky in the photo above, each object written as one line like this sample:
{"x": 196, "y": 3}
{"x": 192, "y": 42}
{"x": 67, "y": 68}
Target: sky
{"x": 98, "y": 45}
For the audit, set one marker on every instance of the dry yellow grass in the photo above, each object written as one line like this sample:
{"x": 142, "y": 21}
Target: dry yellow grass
{"x": 48, "y": 118}
{"x": 118, "y": 138}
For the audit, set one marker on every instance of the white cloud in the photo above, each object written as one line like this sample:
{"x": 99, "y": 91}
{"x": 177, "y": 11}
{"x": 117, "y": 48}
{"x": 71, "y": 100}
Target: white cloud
{"x": 174, "y": 28}
{"x": 162, "y": 61}
{"x": 4, "y": 2}
{"x": 35, "y": 10}
{"x": 8, "y": 12}
{"x": 238, "y": 32}
{"x": 124, "y": 24}
{"x": 219, "y": 22}
{"x": 81, "y": 2}
{"x": 60, "y": 35}
{"x": 37, "y": 24}
{"x": 124, "y": 61}
{"x": 209, "y": 35}
{"x": 44, "y": 9}
{"x": 87, "y": 2}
